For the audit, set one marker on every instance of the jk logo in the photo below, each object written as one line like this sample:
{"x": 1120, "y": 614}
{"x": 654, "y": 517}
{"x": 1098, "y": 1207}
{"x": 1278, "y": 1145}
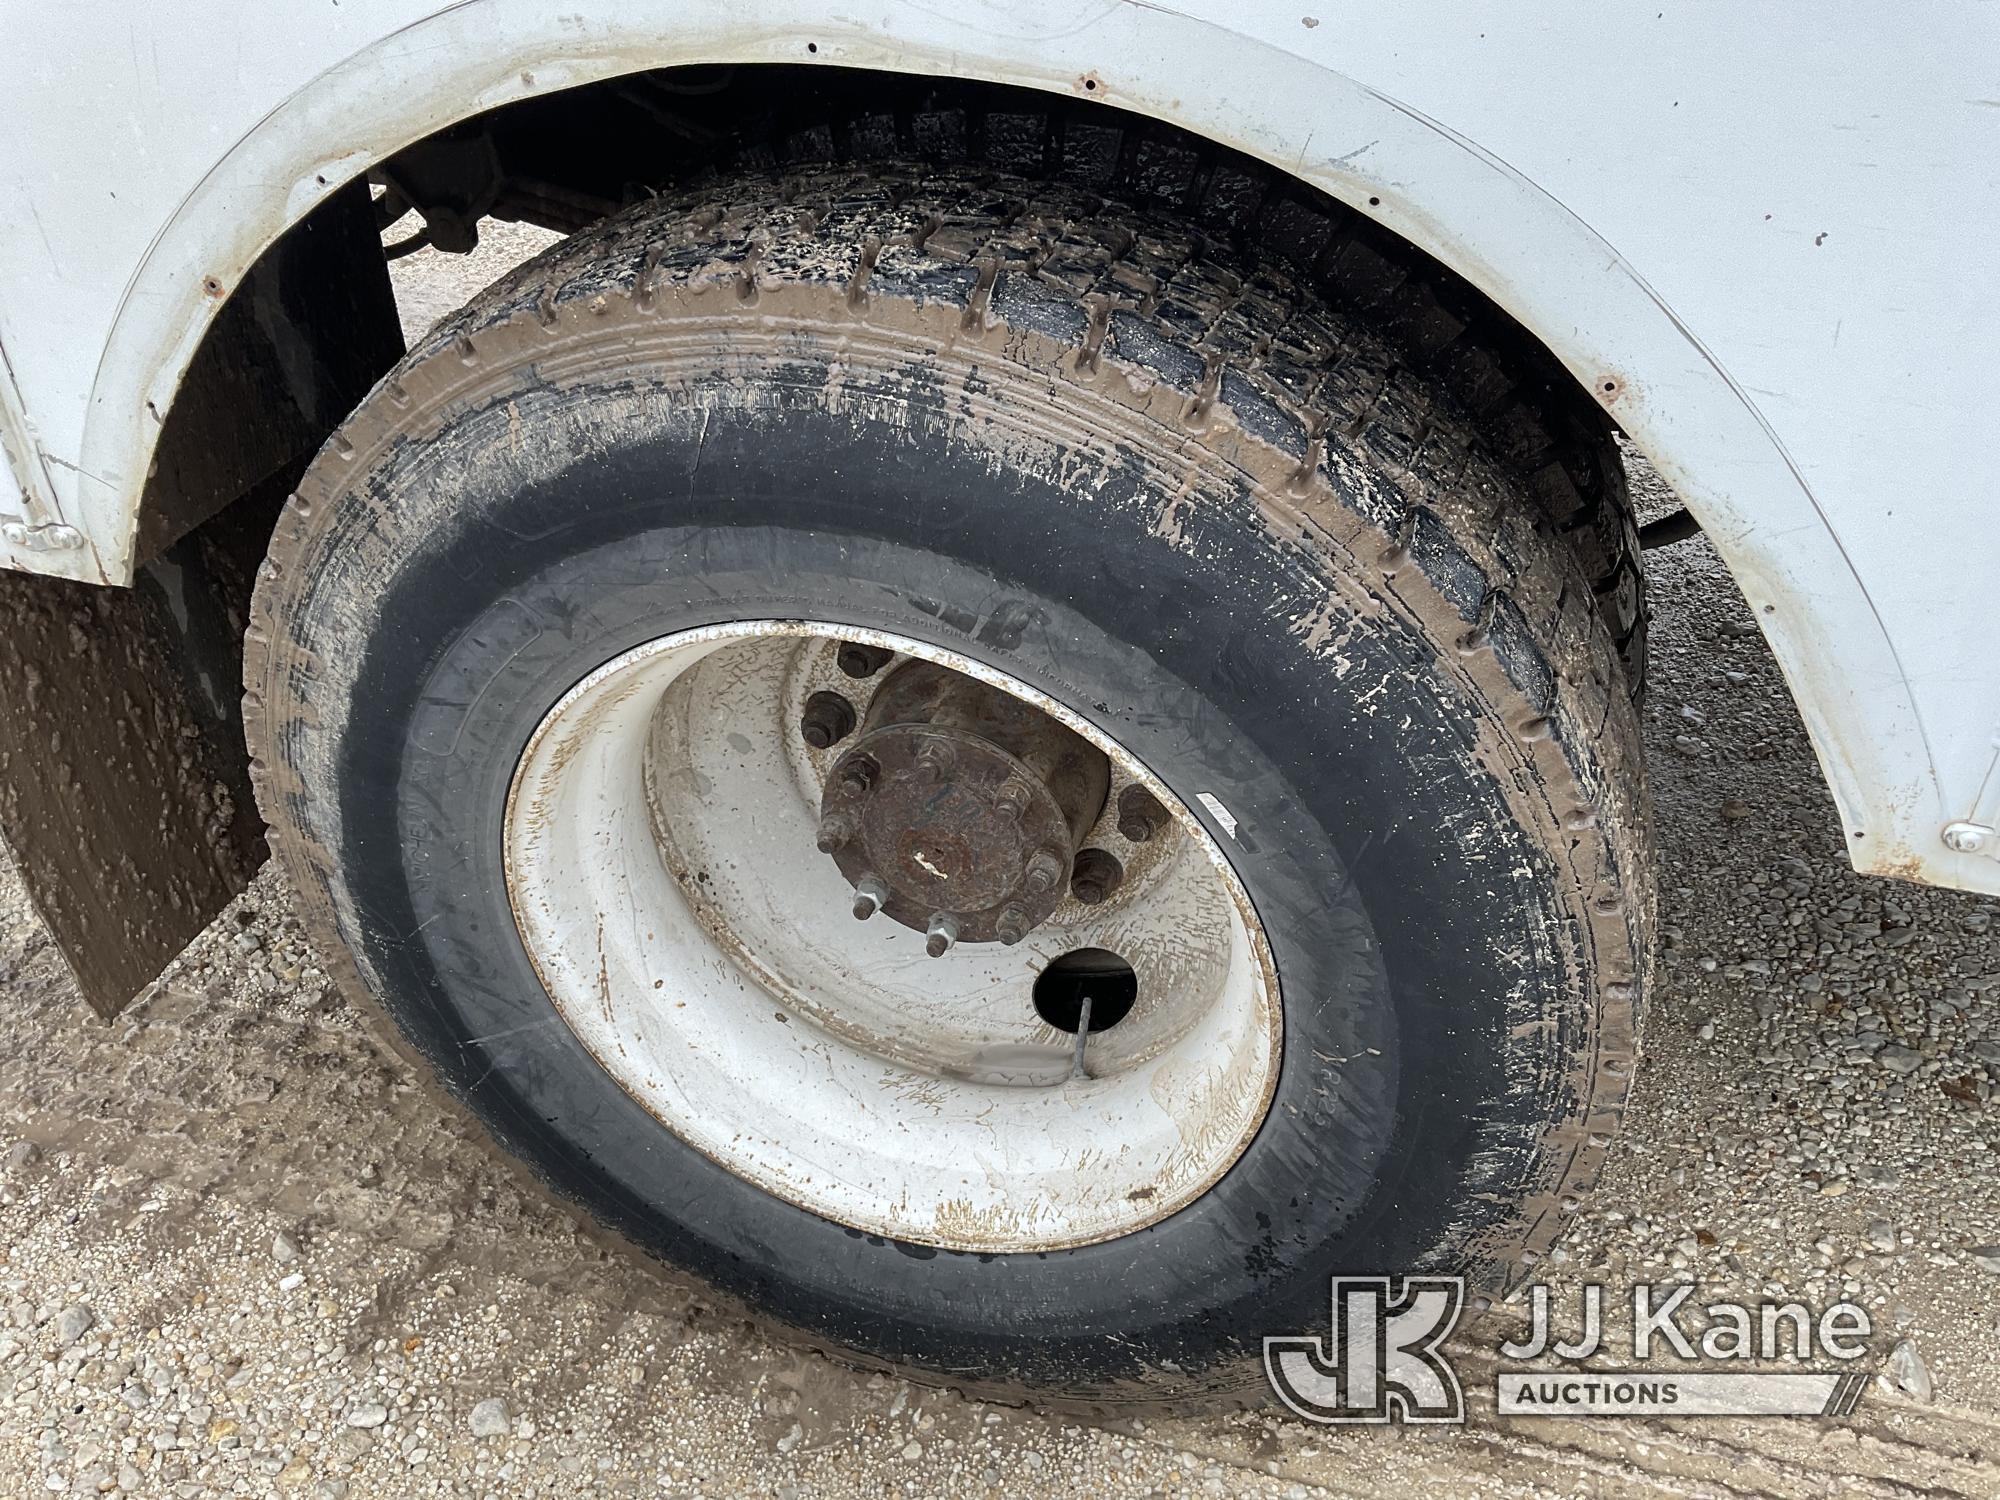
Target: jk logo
{"x": 1383, "y": 1362}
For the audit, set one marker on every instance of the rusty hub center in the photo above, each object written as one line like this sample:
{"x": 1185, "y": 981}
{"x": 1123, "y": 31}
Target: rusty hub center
{"x": 959, "y": 809}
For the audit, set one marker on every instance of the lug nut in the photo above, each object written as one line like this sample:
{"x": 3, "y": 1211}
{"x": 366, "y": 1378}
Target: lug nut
{"x": 857, "y": 660}
{"x": 1095, "y": 876}
{"x": 1044, "y": 870}
{"x": 828, "y": 719}
{"x": 836, "y": 829}
{"x": 1140, "y": 815}
{"x": 1012, "y": 802}
{"x": 1012, "y": 926}
{"x": 936, "y": 759}
{"x": 870, "y": 896}
{"x": 858, "y": 775}
{"x": 943, "y": 932}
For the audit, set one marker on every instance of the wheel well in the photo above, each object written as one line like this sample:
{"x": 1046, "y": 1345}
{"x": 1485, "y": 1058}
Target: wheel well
{"x": 310, "y": 324}
{"x": 566, "y": 159}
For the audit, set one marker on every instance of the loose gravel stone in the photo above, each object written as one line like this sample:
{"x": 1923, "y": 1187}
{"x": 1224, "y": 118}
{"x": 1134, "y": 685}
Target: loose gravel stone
{"x": 368, "y": 1414}
{"x": 489, "y": 1418}
{"x": 74, "y": 1322}
{"x": 1906, "y": 1368}
{"x": 1899, "y": 1059}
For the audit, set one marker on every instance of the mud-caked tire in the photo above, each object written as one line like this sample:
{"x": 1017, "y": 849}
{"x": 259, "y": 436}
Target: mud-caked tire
{"x": 1201, "y": 510}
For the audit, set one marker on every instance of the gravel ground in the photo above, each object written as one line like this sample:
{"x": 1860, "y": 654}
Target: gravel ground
{"x": 244, "y": 1255}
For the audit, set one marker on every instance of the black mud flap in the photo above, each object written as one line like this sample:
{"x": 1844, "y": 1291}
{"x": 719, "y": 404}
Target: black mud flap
{"x": 124, "y": 783}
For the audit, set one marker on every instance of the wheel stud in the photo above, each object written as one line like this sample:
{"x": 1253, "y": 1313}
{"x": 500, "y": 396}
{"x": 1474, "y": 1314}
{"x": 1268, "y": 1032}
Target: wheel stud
{"x": 870, "y": 896}
{"x": 1012, "y": 801}
{"x": 858, "y": 775}
{"x": 1044, "y": 870}
{"x": 943, "y": 932}
{"x": 835, "y": 830}
{"x": 828, "y": 719}
{"x": 1012, "y": 926}
{"x": 857, "y": 660}
{"x": 1140, "y": 815}
{"x": 1095, "y": 876}
{"x": 936, "y": 759}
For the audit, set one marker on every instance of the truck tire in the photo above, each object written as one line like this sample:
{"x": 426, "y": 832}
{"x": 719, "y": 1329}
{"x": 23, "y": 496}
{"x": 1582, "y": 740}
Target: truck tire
{"x": 773, "y": 551}
{"x": 1535, "y": 421}
{"x": 1525, "y": 409}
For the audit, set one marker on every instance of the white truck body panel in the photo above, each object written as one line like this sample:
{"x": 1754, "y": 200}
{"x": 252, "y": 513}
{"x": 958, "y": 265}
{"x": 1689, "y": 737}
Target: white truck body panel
{"x": 1764, "y": 240}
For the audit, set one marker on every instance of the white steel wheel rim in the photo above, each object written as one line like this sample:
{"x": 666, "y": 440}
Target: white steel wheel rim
{"x": 661, "y": 867}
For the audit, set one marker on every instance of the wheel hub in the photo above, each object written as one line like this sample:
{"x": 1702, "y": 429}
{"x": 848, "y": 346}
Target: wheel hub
{"x": 959, "y": 809}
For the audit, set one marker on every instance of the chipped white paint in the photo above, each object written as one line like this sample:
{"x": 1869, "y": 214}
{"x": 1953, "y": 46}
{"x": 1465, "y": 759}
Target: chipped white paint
{"x": 660, "y": 861}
